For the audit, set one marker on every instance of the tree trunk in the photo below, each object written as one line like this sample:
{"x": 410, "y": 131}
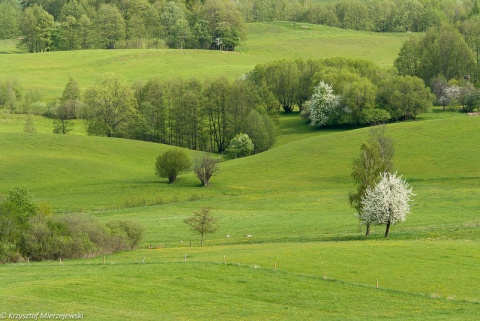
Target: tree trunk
{"x": 201, "y": 240}
{"x": 388, "y": 229}
{"x": 367, "y": 232}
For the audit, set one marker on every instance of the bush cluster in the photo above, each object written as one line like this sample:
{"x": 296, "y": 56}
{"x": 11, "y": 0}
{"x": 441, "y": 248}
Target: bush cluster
{"x": 28, "y": 230}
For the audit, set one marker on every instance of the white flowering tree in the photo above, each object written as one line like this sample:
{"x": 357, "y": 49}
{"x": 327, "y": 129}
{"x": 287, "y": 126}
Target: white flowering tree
{"x": 450, "y": 95}
{"x": 323, "y": 105}
{"x": 386, "y": 203}
{"x": 240, "y": 146}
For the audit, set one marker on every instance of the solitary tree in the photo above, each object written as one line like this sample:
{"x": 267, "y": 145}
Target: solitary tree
{"x": 388, "y": 202}
{"x": 202, "y": 222}
{"x": 170, "y": 163}
{"x": 376, "y": 157}
{"x": 204, "y": 167}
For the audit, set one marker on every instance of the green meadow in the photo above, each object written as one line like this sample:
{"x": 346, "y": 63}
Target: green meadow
{"x": 48, "y": 73}
{"x": 307, "y": 258}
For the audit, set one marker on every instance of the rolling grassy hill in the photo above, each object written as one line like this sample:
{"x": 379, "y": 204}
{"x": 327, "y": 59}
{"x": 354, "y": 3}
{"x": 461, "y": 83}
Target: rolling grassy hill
{"x": 292, "y": 199}
{"x": 307, "y": 258}
{"x": 48, "y": 73}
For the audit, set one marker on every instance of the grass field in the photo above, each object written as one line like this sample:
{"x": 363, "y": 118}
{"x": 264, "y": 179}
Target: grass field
{"x": 299, "y": 219}
{"x": 48, "y": 73}
{"x": 307, "y": 258}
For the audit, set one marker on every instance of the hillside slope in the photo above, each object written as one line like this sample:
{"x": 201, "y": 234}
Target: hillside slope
{"x": 306, "y": 259}
{"x": 49, "y": 72}
{"x": 80, "y": 172}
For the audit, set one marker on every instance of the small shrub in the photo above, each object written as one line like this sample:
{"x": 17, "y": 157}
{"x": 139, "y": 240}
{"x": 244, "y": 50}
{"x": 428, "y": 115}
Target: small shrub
{"x": 170, "y": 163}
{"x": 8, "y": 252}
{"x": 38, "y": 108}
{"x": 125, "y": 235}
{"x": 46, "y": 239}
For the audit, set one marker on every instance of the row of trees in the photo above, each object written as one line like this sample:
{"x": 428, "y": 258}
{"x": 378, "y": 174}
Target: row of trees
{"x": 191, "y": 114}
{"x": 28, "y": 230}
{"x": 83, "y": 24}
{"x": 76, "y": 24}
{"x": 369, "y": 15}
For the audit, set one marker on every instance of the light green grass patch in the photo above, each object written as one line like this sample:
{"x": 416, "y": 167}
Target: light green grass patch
{"x": 48, "y": 73}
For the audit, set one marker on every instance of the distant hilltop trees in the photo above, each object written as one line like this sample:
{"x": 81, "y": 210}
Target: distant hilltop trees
{"x": 43, "y": 25}
{"x": 47, "y": 25}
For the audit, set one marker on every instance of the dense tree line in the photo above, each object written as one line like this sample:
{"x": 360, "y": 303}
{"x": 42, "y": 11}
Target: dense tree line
{"x": 447, "y": 59}
{"x": 368, "y": 15}
{"x": 212, "y": 24}
{"x": 440, "y": 51}
{"x": 185, "y": 113}
{"x": 203, "y": 116}
{"x": 46, "y": 25}
{"x": 207, "y": 115}
{"x": 364, "y": 92}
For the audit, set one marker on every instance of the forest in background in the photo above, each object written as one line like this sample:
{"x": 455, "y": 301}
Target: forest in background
{"x": 47, "y": 25}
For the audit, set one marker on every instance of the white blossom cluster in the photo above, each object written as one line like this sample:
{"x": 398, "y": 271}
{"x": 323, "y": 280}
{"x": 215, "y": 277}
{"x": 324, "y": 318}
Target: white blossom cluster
{"x": 323, "y": 104}
{"x": 451, "y": 93}
{"x": 243, "y": 143}
{"x": 387, "y": 202}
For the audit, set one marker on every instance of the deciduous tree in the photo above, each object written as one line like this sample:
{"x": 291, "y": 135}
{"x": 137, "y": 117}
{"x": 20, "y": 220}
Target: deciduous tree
{"x": 404, "y": 97}
{"x": 10, "y": 12}
{"x": 388, "y": 202}
{"x": 170, "y": 163}
{"x": 441, "y": 51}
{"x": 376, "y": 157}
{"x": 202, "y": 222}
{"x": 109, "y": 105}
{"x": 240, "y": 146}
{"x": 205, "y": 167}
{"x": 261, "y": 130}
{"x": 110, "y": 26}
{"x": 36, "y": 27}
{"x": 69, "y": 107}
{"x": 323, "y": 105}
{"x": 15, "y": 212}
